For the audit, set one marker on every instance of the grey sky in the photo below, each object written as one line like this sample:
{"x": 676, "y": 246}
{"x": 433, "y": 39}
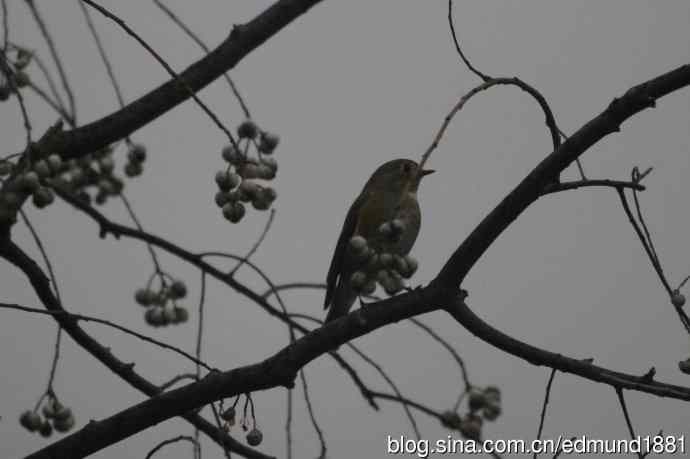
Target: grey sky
{"x": 349, "y": 86}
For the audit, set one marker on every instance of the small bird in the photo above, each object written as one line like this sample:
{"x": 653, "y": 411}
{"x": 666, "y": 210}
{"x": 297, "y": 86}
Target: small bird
{"x": 390, "y": 193}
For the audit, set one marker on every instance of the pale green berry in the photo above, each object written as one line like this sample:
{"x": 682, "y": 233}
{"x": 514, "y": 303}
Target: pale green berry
{"x": 181, "y": 315}
{"x": 46, "y": 430}
{"x": 29, "y": 181}
{"x": 270, "y": 162}
{"x": 412, "y": 265}
{"x": 143, "y": 296}
{"x": 358, "y": 279}
{"x": 30, "y": 420}
{"x": 43, "y": 197}
{"x": 254, "y": 437}
{"x": 250, "y": 171}
{"x": 223, "y": 180}
{"x": 106, "y": 164}
{"x": 221, "y": 198}
{"x": 491, "y": 412}
{"x": 133, "y": 169}
{"x": 55, "y": 162}
{"x": 178, "y": 289}
{"x": 42, "y": 168}
{"x": 477, "y": 400}
{"x": 229, "y": 414}
{"x": 268, "y": 142}
{"x": 64, "y": 425}
{"x": 270, "y": 194}
{"x": 369, "y": 288}
{"x": 169, "y": 315}
{"x": 260, "y": 203}
{"x": 358, "y": 244}
{"x": 385, "y": 229}
{"x": 386, "y": 260}
{"x": 231, "y": 154}
{"x": 249, "y": 188}
{"x": 137, "y": 153}
{"x": 678, "y": 299}
{"x": 105, "y": 187}
{"x": 247, "y": 130}
{"x": 5, "y": 168}
{"x": 21, "y": 79}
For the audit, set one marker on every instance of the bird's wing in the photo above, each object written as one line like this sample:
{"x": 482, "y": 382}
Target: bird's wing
{"x": 337, "y": 261}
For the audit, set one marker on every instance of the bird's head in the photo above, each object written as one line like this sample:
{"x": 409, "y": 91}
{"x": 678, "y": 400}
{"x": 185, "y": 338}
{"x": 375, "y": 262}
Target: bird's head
{"x": 397, "y": 176}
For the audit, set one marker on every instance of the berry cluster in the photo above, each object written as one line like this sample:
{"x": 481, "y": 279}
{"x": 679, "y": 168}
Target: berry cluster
{"x": 483, "y": 404}
{"x": 17, "y": 76}
{"x": 254, "y": 437}
{"x": 236, "y": 183}
{"x": 388, "y": 269}
{"x": 135, "y": 160}
{"x": 36, "y": 178}
{"x": 55, "y": 416}
{"x": 162, "y": 308}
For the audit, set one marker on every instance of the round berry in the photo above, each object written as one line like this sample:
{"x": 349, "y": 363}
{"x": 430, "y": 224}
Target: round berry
{"x": 137, "y": 153}
{"x": 46, "y": 430}
{"x": 181, "y": 315}
{"x": 30, "y": 420}
{"x": 231, "y": 154}
{"x": 247, "y": 129}
{"x": 55, "y": 162}
{"x": 42, "y": 168}
{"x": 254, "y": 437}
{"x": 268, "y": 142}
{"x": 43, "y": 197}
{"x": 133, "y": 169}
{"x": 678, "y": 299}
{"x": 178, "y": 289}
{"x": 63, "y": 425}
{"x": 229, "y": 414}
{"x": 358, "y": 279}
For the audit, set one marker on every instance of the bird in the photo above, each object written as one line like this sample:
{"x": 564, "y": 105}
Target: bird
{"x": 389, "y": 194}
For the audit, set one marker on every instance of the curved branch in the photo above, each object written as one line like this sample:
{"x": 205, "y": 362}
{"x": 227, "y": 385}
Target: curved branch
{"x": 528, "y": 191}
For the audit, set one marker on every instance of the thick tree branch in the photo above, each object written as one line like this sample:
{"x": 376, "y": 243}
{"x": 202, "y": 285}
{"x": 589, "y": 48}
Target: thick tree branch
{"x": 242, "y": 40}
{"x": 41, "y": 285}
{"x": 281, "y": 368}
{"x": 633, "y": 101}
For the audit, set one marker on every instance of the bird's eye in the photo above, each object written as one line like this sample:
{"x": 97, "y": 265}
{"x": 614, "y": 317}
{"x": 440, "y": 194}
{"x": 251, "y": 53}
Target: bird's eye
{"x": 406, "y": 168}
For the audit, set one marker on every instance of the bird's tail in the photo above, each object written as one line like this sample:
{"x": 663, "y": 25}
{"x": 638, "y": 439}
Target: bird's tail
{"x": 343, "y": 299}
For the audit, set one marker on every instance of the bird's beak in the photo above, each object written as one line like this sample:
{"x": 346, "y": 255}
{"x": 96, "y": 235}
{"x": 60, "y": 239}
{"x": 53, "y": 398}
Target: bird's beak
{"x": 426, "y": 172}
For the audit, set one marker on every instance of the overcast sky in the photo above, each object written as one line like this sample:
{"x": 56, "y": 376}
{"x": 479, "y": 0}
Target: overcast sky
{"x": 349, "y": 86}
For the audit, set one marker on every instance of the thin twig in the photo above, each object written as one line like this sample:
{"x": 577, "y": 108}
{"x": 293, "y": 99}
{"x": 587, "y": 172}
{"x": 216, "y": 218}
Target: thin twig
{"x": 564, "y": 186}
{"x": 621, "y": 400}
{"x": 288, "y": 425}
{"x": 457, "y": 45}
{"x": 108, "y": 323}
{"x": 203, "y": 46}
{"x": 104, "y": 56}
{"x": 170, "y": 441}
{"x": 430, "y": 331}
{"x": 56, "y": 57}
{"x": 543, "y": 407}
{"x": 684, "y": 319}
{"x": 137, "y": 223}
{"x": 256, "y": 245}
{"x": 312, "y": 417}
{"x": 165, "y": 65}
{"x": 53, "y": 281}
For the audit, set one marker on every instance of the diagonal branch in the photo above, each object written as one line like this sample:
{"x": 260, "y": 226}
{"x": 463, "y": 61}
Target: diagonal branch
{"x": 41, "y": 285}
{"x": 242, "y": 40}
